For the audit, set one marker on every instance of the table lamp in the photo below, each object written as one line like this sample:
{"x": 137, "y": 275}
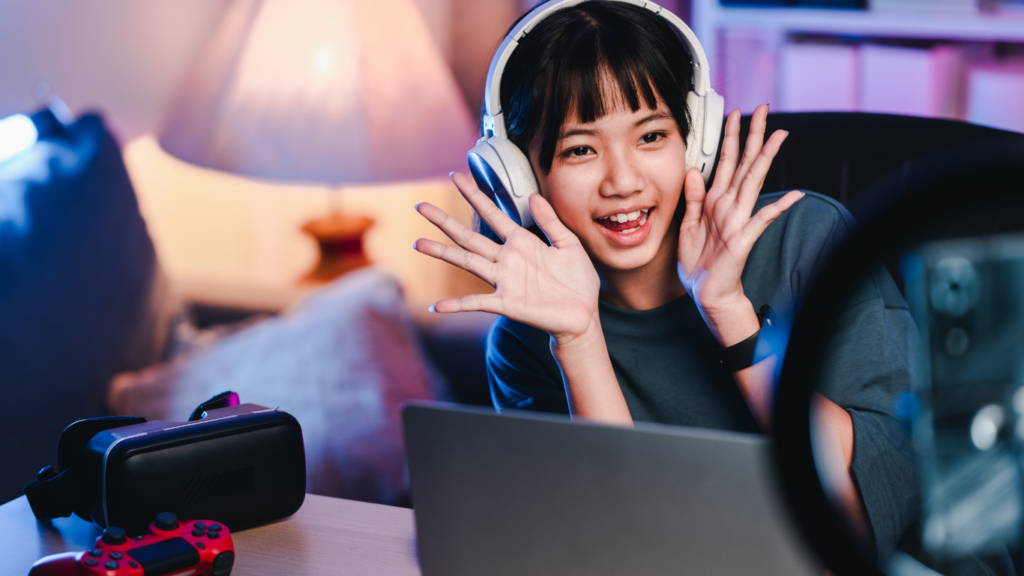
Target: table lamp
{"x": 334, "y": 92}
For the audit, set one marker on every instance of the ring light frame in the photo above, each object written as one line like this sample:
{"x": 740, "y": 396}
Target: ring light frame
{"x": 920, "y": 205}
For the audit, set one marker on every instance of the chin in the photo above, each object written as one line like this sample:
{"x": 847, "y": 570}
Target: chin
{"x": 630, "y": 259}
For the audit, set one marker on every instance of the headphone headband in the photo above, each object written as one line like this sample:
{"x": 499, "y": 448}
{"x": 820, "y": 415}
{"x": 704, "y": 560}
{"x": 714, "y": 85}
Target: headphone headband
{"x": 493, "y": 120}
{"x": 504, "y": 173}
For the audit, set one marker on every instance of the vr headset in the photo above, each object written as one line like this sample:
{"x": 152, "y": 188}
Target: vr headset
{"x": 241, "y": 464}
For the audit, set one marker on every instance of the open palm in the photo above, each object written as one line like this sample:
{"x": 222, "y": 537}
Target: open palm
{"x": 718, "y": 229}
{"x": 552, "y": 288}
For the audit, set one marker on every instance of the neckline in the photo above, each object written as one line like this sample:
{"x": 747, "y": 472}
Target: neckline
{"x": 653, "y": 322}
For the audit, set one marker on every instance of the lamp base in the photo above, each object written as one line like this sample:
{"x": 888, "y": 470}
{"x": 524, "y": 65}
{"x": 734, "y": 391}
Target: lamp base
{"x": 340, "y": 241}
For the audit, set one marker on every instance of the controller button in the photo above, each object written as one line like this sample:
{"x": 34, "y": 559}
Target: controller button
{"x": 197, "y": 533}
{"x": 133, "y": 564}
{"x": 114, "y": 536}
{"x": 138, "y": 538}
{"x": 166, "y": 521}
{"x": 201, "y": 546}
{"x": 200, "y": 525}
{"x": 222, "y": 563}
{"x": 116, "y": 555}
{"x": 111, "y": 565}
{"x": 214, "y": 526}
{"x": 213, "y": 534}
{"x": 90, "y": 562}
{"x": 95, "y": 552}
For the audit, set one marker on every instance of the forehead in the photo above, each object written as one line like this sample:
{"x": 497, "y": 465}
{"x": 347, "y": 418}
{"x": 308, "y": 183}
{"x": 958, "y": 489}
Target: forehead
{"x": 616, "y": 108}
{"x": 611, "y": 97}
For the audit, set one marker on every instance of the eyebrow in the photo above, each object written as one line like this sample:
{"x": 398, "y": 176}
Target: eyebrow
{"x": 639, "y": 123}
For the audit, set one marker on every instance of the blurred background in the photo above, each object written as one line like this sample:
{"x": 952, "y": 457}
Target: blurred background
{"x": 254, "y": 153}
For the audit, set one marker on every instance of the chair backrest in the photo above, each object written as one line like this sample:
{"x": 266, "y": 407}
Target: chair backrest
{"x": 840, "y": 154}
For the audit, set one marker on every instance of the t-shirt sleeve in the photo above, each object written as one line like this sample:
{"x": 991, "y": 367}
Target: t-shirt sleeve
{"x": 521, "y": 371}
{"x": 868, "y": 366}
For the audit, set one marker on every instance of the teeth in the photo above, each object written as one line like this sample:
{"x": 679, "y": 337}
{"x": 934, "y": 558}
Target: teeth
{"x": 642, "y": 214}
{"x": 623, "y": 217}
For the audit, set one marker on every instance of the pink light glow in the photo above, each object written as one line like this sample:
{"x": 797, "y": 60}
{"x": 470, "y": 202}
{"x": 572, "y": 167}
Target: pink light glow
{"x": 335, "y": 91}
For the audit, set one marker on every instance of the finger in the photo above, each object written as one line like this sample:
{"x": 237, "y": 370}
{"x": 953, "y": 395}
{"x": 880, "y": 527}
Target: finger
{"x": 545, "y": 217}
{"x": 752, "y": 182}
{"x": 468, "y": 261}
{"x": 694, "y": 195}
{"x": 484, "y": 206}
{"x": 753, "y": 229}
{"x": 459, "y": 233}
{"x": 755, "y": 141}
{"x": 730, "y": 153}
{"x": 471, "y": 303}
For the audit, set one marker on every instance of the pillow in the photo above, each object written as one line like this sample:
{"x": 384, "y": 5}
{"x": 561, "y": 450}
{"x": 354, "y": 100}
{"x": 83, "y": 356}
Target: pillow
{"x": 81, "y": 297}
{"x": 342, "y": 363}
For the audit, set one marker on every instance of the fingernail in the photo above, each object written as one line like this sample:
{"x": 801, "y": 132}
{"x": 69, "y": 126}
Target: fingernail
{"x": 452, "y": 173}
{"x": 432, "y": 308}
{"x": 786, "y": 132}
{"x": 416, "y": 206}
{"x": 414, "y": 244}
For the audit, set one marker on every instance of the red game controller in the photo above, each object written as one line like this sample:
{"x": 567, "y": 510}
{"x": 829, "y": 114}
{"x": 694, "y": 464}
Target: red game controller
{"x": 194, "y": 547}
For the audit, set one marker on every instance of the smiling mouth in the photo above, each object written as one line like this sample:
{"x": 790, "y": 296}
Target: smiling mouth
{"x": 626, "y": 222}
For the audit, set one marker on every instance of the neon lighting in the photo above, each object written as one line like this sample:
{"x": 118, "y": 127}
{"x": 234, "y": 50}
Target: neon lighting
{"x": 17, "y": 134}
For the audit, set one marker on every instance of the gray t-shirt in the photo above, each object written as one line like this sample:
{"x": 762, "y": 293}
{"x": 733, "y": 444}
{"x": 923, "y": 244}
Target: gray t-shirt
{"x": 664, "y": 361}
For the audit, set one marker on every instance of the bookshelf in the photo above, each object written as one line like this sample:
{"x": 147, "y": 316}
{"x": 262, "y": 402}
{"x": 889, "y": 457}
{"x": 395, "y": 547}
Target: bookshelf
{"x": 756, "y": 53}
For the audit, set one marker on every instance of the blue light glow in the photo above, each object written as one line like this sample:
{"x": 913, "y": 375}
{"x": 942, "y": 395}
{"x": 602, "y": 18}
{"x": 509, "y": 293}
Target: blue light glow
{"x": 17, "y": 134}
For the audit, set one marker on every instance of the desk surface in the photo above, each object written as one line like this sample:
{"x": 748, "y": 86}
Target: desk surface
{"x": 326, "y": 536}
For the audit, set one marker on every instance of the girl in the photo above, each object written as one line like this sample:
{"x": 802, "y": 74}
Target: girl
{"x": 648, "y": 276}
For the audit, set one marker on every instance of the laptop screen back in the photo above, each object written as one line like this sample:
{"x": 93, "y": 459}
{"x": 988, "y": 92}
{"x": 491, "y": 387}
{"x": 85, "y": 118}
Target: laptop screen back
{"x": 538, "y": 494}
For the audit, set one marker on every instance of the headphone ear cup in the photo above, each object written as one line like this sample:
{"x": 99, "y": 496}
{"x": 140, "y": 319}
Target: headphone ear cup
{"x": 706, "y": 133}
{"x": 695, "y": 139}
{"x": 504, "y": 174}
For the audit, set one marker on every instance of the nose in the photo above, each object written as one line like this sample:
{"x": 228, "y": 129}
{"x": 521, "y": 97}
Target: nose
{"x": 622, "y": 176}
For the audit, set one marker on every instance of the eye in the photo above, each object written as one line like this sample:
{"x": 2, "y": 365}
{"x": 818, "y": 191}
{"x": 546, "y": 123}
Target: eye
{"x": 577, "y": 151}
{"x": 651, "y": 137}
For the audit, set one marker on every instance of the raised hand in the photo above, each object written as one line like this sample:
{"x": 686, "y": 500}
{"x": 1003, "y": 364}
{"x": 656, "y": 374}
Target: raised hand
{"x": 552, "y": 288}
{"x": 718, "y": 231}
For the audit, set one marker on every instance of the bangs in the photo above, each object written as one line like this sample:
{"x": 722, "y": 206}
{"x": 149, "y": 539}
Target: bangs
{"x": 593, "y": 58}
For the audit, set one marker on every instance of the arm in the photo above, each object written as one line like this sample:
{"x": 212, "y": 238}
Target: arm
{"x": 552, "y": 288}
{"x": 590, "y": 383}
{"x": 717, "y": 233}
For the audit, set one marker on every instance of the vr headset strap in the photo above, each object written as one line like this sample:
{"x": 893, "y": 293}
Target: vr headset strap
{"x": 55, "y": 495}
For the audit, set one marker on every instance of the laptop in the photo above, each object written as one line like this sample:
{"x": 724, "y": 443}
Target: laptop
{"x": 522, "y": 493}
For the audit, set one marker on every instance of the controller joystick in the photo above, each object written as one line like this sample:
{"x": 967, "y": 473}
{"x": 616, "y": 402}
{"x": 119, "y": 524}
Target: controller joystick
{"x": 114, "y": 536}
{"x": 166, "y": 521}
{"x": 199, "y": 547}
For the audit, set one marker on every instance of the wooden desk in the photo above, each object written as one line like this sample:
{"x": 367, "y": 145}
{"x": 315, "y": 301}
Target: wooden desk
{"x": 326, "y": 536}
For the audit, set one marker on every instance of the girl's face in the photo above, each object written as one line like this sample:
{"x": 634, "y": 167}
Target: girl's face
{"x": 615, "y": 183}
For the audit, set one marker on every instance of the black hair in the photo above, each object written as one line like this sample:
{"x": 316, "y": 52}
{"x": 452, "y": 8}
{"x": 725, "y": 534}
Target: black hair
{"x": 557, "y": 70}
{"x": 556, "y": 73}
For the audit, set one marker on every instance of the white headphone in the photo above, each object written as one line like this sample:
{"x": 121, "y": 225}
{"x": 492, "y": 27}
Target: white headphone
{"x": 503, "y": 172}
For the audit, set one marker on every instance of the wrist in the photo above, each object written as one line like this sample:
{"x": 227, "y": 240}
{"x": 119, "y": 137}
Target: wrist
{"x": 591, "y": 340}
{"x": 731, "y": 322}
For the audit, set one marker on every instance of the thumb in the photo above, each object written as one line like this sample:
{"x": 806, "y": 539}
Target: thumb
{"x": 694, "y": 193}
{"x": 545, "y": 217}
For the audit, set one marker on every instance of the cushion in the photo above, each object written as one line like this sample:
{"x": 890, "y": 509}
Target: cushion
{"x": 342, "y": 363}
{"x": 81, "y": 297}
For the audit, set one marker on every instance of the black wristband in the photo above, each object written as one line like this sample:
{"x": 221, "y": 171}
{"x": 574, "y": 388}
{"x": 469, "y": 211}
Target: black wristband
{"x": 741, "y": 355}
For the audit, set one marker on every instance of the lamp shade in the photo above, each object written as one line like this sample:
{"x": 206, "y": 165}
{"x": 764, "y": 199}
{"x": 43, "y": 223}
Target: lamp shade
{"x": 329, "y": 91}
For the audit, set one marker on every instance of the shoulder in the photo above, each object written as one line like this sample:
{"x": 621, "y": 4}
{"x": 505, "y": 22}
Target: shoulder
{"x": 509, "y": 335}
{"x": 521, "y": 372}
{"x": 794, "y": 247}
{"x": 814, "y": 215}
{"x": 514, "y": 348}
